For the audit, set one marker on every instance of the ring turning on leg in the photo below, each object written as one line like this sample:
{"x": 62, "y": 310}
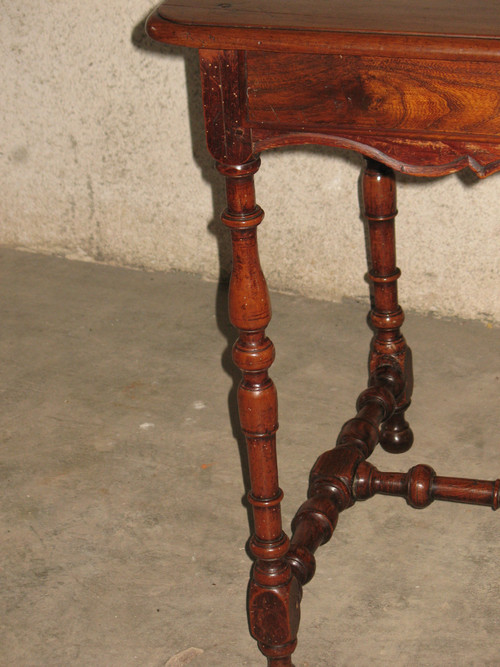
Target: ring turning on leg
{"x": 274, "y": 593}
{"x": 388, "y": 345}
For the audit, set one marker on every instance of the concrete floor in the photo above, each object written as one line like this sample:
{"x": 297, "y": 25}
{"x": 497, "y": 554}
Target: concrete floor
{"x": 123, "y": 515}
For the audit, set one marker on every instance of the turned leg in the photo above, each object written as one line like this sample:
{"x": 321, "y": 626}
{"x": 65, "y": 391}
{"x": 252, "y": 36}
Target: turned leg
{"x": 388, "y": 345}
{"x": 274, "y": 594}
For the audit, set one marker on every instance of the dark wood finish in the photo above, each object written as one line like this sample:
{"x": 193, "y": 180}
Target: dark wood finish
{"x": 274, "y": 595}
{"x": 412, "y": 86}
{"x": 411, "y": 17}
{"x": 334, "y": 473}
{"x": 366, "y": 94}
{"x": 389, "y": 345}
{"x": 420, "y": 486}
{"x": 464, "y": 30}
{"x": 227, "y": 139}
{"x": 342, "y": 476}
{"x": 418, "y": 157}
{"x": 422, "y": 79}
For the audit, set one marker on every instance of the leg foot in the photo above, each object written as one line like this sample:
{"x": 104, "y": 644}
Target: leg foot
{"x": 396, "y": 435}
{"x": 274, "y": 615}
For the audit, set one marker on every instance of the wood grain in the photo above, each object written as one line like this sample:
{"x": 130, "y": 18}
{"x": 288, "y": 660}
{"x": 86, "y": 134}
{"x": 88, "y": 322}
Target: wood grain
{"x": 427, "y": 98}
{"x": 413, "y": 86}
{"x": 457, "y": 30}
{"x": 411, "y": 17}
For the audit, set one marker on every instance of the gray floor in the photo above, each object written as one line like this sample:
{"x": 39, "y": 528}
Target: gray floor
{"x": 123, "y": 519}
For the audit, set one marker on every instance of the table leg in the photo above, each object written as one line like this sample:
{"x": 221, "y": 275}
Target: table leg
{"x": 274, "y": 594}
{"x": 388, "y": 345}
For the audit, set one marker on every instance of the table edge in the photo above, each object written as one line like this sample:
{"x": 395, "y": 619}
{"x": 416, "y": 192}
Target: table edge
{"x": 416, "y": 46}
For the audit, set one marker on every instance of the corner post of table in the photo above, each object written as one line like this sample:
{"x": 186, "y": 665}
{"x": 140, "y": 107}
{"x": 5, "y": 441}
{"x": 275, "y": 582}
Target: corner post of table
{"x": 388, "y": 346}
{"x": 274, "y": 593}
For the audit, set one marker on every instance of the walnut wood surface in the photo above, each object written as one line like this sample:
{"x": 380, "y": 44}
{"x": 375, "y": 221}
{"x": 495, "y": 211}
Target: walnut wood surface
{"x": 424, "y": 98}
{"x": 441, "y": 17}
{"x": 411, "y": 85}
{"x": 418, "y": 157}
{"x": 274, "y": 595}
{"x": 458, "y": 29}
{"x": 420, "y": 486}
{"x": 342, "y": 476}
{"x": 388, "y": 346}
{"x": 425, "y": 117}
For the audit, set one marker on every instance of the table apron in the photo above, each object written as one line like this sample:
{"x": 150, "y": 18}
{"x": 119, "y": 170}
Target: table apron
{"x": 406, "y": 97}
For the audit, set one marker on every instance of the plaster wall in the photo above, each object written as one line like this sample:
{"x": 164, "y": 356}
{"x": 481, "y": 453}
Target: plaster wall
{"x": 102, "y": 157}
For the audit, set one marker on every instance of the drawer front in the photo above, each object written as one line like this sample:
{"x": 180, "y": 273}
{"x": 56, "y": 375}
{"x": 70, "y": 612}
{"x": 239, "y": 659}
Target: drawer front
{"x": 356, "y": 93}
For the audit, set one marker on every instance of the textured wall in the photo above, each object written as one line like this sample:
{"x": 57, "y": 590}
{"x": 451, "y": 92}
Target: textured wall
{"x": 102, "y": 156}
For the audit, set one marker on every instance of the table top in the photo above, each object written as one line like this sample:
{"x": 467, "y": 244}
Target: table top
{"x": 472, "y": 18}
{"x": 461, "y": 29}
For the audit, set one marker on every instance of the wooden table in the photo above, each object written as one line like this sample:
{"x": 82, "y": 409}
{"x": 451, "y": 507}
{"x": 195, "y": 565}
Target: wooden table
{"x": 413, "y": 86}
